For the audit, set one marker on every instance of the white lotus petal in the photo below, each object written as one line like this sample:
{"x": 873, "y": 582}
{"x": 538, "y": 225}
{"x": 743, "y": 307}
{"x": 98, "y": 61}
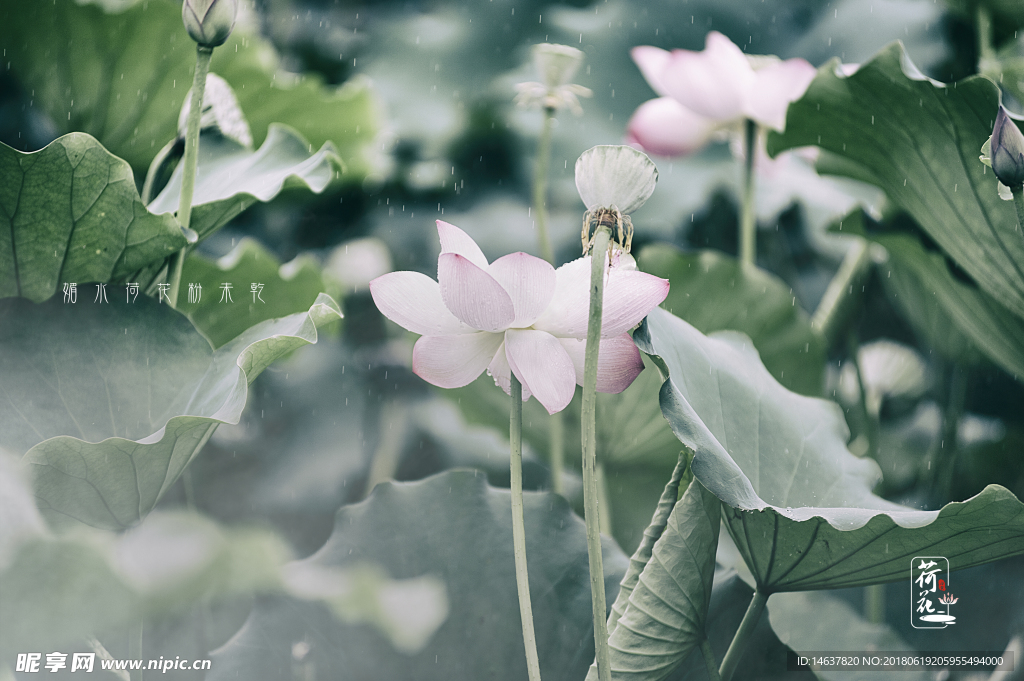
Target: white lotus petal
{"x": 473, "y": 295}
{"x": 413, "y": 301}
{"x": 529, "y": 281}
{"x": 454, "y": 361}
{"x": 541, "y": 363}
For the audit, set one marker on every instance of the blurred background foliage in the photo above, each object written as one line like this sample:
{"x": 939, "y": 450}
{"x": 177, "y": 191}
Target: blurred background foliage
{"x": 417, "y": 99}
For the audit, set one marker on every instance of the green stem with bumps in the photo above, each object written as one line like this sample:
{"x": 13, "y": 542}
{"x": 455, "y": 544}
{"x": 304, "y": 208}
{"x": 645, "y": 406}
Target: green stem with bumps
{"x": 540, "y": 186}
{"x": 748, "y": 221}
{"x": 588, "y": 430}
{"x": 739, "y": 641}
{"x": 709, "y": 659}
{"x": 188, "y": 174}
{"x": 1018, "y": 203}
{"x": 519, "y": 530}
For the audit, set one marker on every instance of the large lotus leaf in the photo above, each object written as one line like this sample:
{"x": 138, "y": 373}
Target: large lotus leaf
{"x": 286, "y": 289}
{"x": 70, "y": 213}
{"x": 681, "y": 477}
{"x": 797, "y": 502}
{"x": 989, "y": 326}
{"x": 109, "y": 402}
{"x": 919, "y": 141}
{"x": 665, "y": 618}
{"x": 713, "y": 292}
{"x": 820, "y": 622}
{"x": 230, "y": 177}
{"x": 122, "y": 77}
{"x": 456, "y": 528}
{"x": 61, "y": 589}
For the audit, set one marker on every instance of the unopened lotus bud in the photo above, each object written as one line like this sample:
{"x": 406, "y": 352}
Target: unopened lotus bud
{"x": 209, "y": 22}
{"x": 1007, "y": 151}
{"x": 557, "y": 64}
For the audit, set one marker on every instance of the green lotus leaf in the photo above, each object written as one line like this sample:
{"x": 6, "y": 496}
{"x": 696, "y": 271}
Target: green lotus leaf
{"x": 286, "y": 289}
{"x": 665, "y": 617}
{"x": 109, "y": 402}
{"x": 919, "y": 140}
{"x": 123, "y": 76}
{"x": 230, "y": 177}
{"x": 397, "y": 528}
{"x": 798, "y": 504}
{"x": 925, "y": 282}
{"x": 70, "y": 213}
{"x": 84, "y": 583}
{"x": 713, "y": 291}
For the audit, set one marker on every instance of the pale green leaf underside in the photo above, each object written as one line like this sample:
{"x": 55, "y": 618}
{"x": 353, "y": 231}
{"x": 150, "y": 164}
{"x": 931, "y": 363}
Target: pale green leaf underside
{"x": 798, "y": 503}
{"x": 230, "y": 177}
{"x": 122, "y": 77}
{"x": 665, "y": 617}
{"x": 110, "y": 402}
{"x": 919, "y": 141}
{"x": 71, "y": 213}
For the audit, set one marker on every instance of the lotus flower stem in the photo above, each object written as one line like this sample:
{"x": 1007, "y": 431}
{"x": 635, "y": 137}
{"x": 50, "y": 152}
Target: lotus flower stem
{"x": 588, "y": 429}
{"x": 986, "y": 53}
{"x": 135, "y": 643}
{"x": 945, "y": 462}
{"x": 1018, "y": 203}
{"x": 739, "y": 641}
{"x": 540, "y": 186}
{"x": 874, "y": 603}
{"x": 556, "y": 428}
{"x": 188, "y": 175}
{"x": 556, "y": 451}
{"x": 748, "y": 223}
{"x": 709, "y": 659}
{"x": 842, "y": 291}
{"x": 519, "y": 530}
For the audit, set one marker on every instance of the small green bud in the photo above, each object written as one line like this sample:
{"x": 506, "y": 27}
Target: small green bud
{"x": 209, "y": 22}
{"x": 1007, "y": 151}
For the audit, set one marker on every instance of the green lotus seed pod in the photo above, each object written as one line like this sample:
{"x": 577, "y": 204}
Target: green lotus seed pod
{"x": 209, "y": 22}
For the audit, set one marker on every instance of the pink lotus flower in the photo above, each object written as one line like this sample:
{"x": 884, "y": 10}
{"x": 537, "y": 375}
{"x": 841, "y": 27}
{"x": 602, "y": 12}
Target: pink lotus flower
{"x": 516, "y": 315}
{"x": 705, "y": 91}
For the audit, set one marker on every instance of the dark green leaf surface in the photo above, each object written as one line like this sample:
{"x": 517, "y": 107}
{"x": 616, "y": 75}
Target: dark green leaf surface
{"x": 713, "y": 292}
{"x": 109, "y": 402}
{"x": 926, "y": 283}
{"x": 798, "y": 503}
{"x": 70, "y": 213}
{"x": 286, "y": 289}
{"x": 398, "y": 529}
{"x": 123, "y": 77}
{"x": 665, "y": 618}
{"x": 230, "y": 178}
{"x": 919, "y": 141}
